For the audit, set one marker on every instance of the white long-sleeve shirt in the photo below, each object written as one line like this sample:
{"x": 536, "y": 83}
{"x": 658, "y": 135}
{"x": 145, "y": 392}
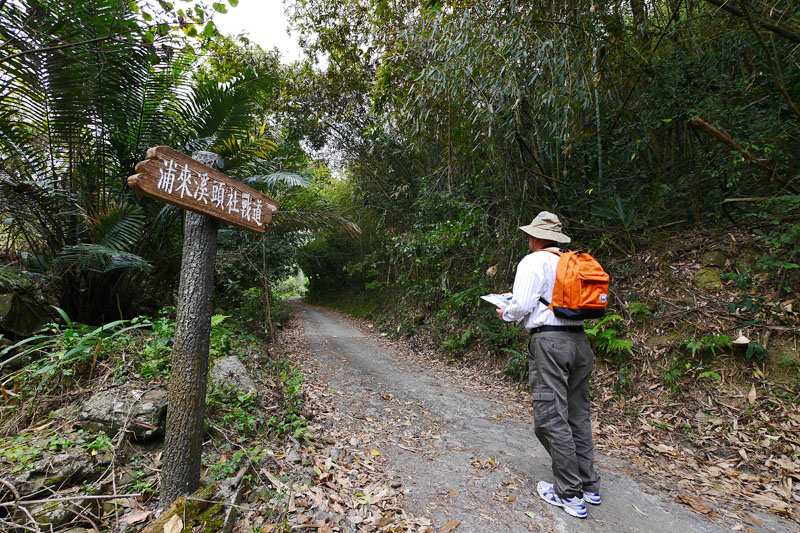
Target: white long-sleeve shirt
{"x": 536, "y": 276}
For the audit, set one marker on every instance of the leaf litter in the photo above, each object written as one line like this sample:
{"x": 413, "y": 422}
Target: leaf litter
{"x": 332, "y": 481}
{"x": 721, "y": 447}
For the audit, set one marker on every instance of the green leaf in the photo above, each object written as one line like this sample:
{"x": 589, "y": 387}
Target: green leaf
{"x": 233, "y": 3}
{"x": 63, "y": 315}
{"x": 44, "y": 369}
{"x": 210, "y": 30}
{"x": 48, "y": 341}
{"x": 220, "y": 7}
{"x": 216, "y": 320}
{"x": 105, "y": 327}
{"x": 81, "y": 348}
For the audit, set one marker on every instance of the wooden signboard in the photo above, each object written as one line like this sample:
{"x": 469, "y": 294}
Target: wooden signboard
{"x": 170, "y": 176}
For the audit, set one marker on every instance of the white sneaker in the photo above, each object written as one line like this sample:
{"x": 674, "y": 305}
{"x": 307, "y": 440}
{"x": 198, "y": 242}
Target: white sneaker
{"x": 592, "y": 497}
{"x": 573, "y": 506}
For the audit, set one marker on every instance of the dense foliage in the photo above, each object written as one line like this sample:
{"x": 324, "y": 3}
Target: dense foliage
{"x": 446, "y": 124}
{"x": 459, "y": 121}
{"x": 85, "y": 89}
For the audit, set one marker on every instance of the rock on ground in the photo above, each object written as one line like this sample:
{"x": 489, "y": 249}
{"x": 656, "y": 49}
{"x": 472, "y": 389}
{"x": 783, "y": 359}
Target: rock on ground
{"x": 142, "y": 413}
{"x": 231, "y": 372}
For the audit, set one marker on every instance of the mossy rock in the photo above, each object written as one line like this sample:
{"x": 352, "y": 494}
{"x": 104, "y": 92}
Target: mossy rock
{"x": 52, "y": 513}
{"x": 20, "y": 316}
{"x": 747, "y": 261}
{"x": 715, "y": 258}
{"x": 708, "y": 280}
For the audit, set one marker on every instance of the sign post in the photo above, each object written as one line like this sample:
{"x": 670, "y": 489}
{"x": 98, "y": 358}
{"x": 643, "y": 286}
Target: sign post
{"x": 209, "y": 196}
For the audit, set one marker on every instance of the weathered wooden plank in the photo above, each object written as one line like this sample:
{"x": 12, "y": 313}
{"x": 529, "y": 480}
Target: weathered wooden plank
{"x": 175, "y": 178}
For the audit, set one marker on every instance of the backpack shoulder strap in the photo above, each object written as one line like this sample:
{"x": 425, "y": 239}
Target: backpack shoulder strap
{"x": 559, "y": 252}
{"x": 552, "y": 251}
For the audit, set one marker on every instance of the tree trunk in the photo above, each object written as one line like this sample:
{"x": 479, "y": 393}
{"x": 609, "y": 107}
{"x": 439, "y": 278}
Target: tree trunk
{"x": 637, "y": 9}
{"x": 189, "y": 377}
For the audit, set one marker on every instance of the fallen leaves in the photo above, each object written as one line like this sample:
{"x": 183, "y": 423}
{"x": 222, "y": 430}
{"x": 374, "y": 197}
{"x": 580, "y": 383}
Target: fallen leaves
{"x": 695, "y": 504}
{"x": 751, "y": 396}
{"x": 334, "y": 483}
{"x": 135, "y": 518}
{"x": 173, "y": 525}
{"x": 483, "y": 464}
{"x": 716, "y": 443}
{"x": 449, "y": 526}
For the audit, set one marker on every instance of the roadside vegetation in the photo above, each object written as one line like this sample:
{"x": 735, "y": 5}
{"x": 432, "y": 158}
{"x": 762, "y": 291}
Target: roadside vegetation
{"x": 404, "y": 153}
{"x": 665, "y": 134}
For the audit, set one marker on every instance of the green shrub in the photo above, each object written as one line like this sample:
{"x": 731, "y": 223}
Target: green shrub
{"x": 516, "y": 366}
{"x": 293, "y": 286}
{"x": 756, "y": 352}
{"x": 605, "y": 341}
{"x": 456, "y": 345}
{"x": 707, "y": 343}
{"x": 64, "y": 354}
{"x": 291, "y": 420}
{"x": 234, "y": 410}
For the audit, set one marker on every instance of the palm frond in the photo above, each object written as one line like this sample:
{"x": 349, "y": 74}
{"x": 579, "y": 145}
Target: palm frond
{"x": 119, "y": 228}
{"x": 39, "y": 212}
{"x": 98, "y": 258}
{"x": 304, "y": 212}
{"x": 12, "y": 277}
{"x": 289, "y": 179}
{"x": 218, "y": 110}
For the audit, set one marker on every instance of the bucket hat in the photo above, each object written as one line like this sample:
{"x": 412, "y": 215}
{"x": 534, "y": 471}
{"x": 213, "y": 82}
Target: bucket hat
{"x": 546, "y": 226}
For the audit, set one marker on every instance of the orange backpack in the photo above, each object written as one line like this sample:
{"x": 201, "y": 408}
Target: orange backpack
{"x": 581, "y": 288}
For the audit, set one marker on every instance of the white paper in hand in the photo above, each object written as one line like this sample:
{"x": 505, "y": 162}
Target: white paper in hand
{"x": 498, "y": 300}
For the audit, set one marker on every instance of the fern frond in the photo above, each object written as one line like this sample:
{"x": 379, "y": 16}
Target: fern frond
{"x": 216, "y": 320}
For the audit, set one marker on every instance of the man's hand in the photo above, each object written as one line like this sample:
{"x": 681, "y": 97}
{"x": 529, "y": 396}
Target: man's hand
{"x": 500, "y": 311}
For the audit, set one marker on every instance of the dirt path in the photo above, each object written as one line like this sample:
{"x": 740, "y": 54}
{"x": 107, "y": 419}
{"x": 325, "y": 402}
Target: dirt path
{"x": 462, "y": 456}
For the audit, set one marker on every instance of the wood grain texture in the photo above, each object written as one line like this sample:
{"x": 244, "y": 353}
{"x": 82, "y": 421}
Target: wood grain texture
{"x": 172, "y": 177}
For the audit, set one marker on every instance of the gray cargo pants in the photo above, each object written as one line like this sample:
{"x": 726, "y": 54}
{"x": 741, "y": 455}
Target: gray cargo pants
{"x": 559, "y": 366}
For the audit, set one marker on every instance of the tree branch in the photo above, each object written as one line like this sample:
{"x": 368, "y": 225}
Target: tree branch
{"x": 736, "y": 147}
{"x": 780, "y": 30}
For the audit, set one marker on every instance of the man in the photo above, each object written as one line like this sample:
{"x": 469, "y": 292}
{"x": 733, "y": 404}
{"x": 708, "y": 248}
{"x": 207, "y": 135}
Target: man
{"x": 560, "y": 362}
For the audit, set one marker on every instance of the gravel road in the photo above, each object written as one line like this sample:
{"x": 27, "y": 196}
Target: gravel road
{"x": 461, "y": 456}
